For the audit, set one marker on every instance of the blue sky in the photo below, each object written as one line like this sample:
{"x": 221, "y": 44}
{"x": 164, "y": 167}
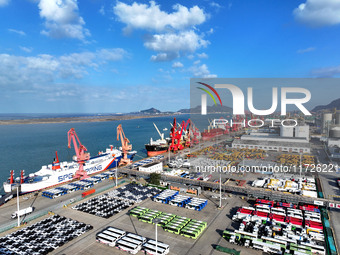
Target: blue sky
{"x": 89, "y": 56}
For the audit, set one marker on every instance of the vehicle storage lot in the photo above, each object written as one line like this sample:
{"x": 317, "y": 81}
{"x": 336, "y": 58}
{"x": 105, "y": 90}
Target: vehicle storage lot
{"x": 218, "y": 220}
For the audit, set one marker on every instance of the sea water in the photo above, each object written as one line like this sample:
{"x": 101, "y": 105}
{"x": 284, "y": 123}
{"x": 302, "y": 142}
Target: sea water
{"x": 31, "y": 146}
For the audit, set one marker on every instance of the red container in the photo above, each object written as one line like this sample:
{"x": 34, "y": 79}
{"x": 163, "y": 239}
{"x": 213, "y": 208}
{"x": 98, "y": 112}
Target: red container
{"x": 263, "y": 201}
{"x": 88, "y": 192}
{"x": 245, "y": 211}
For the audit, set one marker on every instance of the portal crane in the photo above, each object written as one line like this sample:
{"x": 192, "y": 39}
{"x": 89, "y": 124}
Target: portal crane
{"x": 81, "y": 157}
{"x": 176, "y": 135}
{"x": 126, "y": 147}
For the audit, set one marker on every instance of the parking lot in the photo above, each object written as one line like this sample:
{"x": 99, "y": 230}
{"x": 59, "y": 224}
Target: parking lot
{"x": 218, "y": 220}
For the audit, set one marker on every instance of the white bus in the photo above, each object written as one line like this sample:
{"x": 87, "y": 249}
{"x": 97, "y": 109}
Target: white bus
{"x": 116, "y": 231}
{"x": 316, "y": 249}
{"x": 109, "y": 233}
{"x": 274, "y": 240}
{"x": 266, "y": 247}
{"x": 106, "y": 239}
{"x": 129, "y": 247}
{"x": 150, "y": 247}
{"x": 136, "y": 237}
{"x": 280, "y": 211}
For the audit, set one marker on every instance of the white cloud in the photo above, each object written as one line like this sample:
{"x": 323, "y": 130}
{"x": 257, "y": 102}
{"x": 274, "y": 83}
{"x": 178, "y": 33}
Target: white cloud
{"x": 191, "y": 56}
{"x": 197, "y": 62}
{"x": 102, "y": 10}
{"x": 162, "y": 57}
{"x": 202, "y": 55}
{"x": 27, "y": 72}
{"x": 4, "y": 2}
{"x": 301, "y": 51}
{"x": 326, "y": 72}
{"x": 62, "y": 19}
{"x": 215, "y": 5}
{"x": 210, "y": 31}
{"x": 114, "y": 54}
{"x": 177, "y": 65}
{"x": 201, "y": 71}
{"x": 151, "y": 17}
{"x": 19, "y": 32}
{"x": 186, "y": 41}
{"x": 26, "y": 49}
{"x": 317, "y": 13}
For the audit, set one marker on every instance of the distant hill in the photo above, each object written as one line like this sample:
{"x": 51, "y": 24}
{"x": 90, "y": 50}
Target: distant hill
{"x": 151, "y": 111}
{"x": 210, "y": 109}
{"x": 332, "y": 105}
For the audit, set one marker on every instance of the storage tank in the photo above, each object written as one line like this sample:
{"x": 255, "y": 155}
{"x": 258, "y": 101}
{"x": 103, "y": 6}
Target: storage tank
{"x": 302, "y": 131}
{"x": 326, "y": 118}
{"x": 286, "y": 131}
{"x": 334, "y": 132}
{"x": 337, "y": 118}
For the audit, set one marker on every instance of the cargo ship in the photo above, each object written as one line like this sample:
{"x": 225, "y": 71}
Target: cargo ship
{"x": 157, "y": 147}
{"x": 60, "y": 172}
{"x": 211, "y": 133}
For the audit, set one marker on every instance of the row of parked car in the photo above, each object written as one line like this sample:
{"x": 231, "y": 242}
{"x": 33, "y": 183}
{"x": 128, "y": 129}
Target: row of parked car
{"x": 43, "y": 237}
{"x": 135, "y": 193}
{"x": 117, "y": 200}
{"x": 103, "y": 206}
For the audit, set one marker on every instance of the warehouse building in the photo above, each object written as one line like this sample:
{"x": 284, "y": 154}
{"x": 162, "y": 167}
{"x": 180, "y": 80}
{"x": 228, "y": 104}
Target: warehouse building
{"x": 273, "y": 143}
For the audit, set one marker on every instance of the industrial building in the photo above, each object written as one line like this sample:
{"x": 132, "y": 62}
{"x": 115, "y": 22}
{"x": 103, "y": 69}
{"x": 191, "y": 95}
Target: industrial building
{"x": 290, "y": 139}
{"x": 154, "y": 167}
{"x": 330, "y": 128}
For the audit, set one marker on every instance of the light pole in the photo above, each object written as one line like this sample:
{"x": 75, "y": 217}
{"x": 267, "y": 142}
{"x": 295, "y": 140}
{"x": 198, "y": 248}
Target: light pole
{"x": 220, "y": 191}
{"x": 156, "y": 221}
{"x": 18, "y": 206}
{"x": 116, "y": 170}
{"x": 300, "y": 165}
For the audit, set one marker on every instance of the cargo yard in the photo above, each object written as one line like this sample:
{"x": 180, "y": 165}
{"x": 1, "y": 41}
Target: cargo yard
{"x": 213, "y": 195}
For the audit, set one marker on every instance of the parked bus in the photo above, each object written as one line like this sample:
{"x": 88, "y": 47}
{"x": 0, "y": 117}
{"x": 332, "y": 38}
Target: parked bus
{"x": 316, "y": 249}
{"x": 116, "y": 231}
{"x": 150, "y": 248}
{"x": 129, "y": 247}
{"x": 280, "y": 242}
{"x": 109, "y": 233}
{"x": 106, "y": 239}
{"x": 191, "y": 233}
{"x": 267, "y": 246}
{"x": 136, "y": 237}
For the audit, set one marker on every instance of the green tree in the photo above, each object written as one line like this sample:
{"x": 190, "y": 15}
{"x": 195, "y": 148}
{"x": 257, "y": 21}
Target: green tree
{"x": 155, "y": 179}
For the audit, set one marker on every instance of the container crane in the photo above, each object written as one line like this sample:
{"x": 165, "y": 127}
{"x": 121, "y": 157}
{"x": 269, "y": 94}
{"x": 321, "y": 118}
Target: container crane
{"x": 126, "y": 147}
{"x": 80, "y": 150}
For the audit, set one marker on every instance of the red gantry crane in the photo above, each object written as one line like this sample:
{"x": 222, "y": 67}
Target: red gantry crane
{"x": 176, "y": 135}
{"x": 80, "y": 150}
{"x": 126, "y": 147}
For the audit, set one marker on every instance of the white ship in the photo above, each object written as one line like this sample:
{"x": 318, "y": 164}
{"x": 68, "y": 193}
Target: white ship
{"x": 58, "y": 173}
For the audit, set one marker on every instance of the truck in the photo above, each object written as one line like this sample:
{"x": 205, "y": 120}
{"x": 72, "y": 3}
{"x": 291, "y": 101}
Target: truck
{"x": 22, "y": 212}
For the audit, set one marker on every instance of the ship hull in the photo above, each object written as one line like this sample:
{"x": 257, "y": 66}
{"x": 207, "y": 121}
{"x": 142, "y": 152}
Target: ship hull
{"x": 212, "y": 134}
{"x": 46, "y": 177}
{"x": 155, "y": 153}
{"x": 153, "y": 150}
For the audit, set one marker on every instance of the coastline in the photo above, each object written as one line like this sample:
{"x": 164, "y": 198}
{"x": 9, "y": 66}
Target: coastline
{"x": 79, "y": 119}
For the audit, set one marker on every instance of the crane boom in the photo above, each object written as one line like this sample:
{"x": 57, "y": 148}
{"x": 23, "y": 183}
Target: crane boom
{"x": 160, "y": 134}
{"x": 126, "y": 147}
{"x": 80, "y": 150}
